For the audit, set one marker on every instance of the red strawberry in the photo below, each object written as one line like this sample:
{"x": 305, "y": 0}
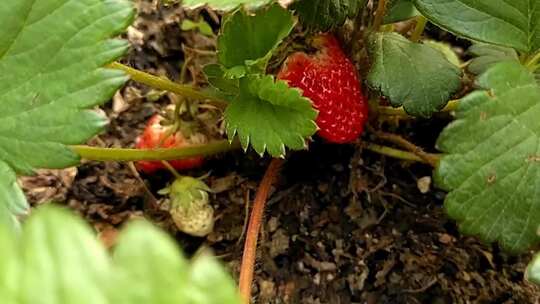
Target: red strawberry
{"x": 330, "y": 80}
{"x": 153, "y": 137}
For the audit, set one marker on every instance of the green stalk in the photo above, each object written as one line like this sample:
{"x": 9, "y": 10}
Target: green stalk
{"x": 396, "y": 153}
{"x": 391, "y": 111}
{"x": 164, "y": 84}
{"x": 532, "y": 63}
{"x": 421, "y": 22}
{"x": 124, "y": 155}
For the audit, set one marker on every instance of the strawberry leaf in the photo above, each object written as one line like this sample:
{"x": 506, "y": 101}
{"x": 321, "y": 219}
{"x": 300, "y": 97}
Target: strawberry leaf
{"x": 487, "y": 55}
{"x": 12, "y": 200}
{"x": 323, "y": 15}
{"x": 50, "y": 58}
{"x": 533, "y": 270}
{"x": 58, "y": 258}
{"x": 270, "y": 116}
{"x": 247, "y": 40}
{"x": 413, "y": 75}
{"x": 493, "y": 152}
{"x": 216, "y": 77}
{"x": 400, "y": 10}
{"x": 513, "y": 23}
{"x": 224, "y": 5}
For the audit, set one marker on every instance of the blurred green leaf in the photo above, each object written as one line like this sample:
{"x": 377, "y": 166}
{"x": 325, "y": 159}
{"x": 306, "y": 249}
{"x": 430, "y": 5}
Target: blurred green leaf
{"x": 533, "y": 271}
{"x": 58, "y": 258}
{"x": 202, "y": 26}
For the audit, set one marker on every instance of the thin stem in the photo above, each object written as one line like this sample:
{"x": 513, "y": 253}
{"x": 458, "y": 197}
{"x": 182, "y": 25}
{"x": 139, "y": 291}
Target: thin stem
{"x": 254, "y": 227}
{"x": 391, "y": 111}
{"x": 379, "y": 14}
{"x": 400, "y": 141}
{"x": 532, "y": 63}
{"x": 395, "y": 153}
{"x": 119, "y": 154}
{"x": 171, "y": 169}
{"x": 421, "y": 22}
{"x": 164, "y": 84}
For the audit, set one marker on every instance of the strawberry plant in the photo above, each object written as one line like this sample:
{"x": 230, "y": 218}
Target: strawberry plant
{"x": 286, "y": 73}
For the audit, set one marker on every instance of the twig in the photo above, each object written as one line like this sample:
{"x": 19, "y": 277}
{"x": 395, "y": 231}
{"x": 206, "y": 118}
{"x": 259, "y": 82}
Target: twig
{"x": 395, "y": 153}
{"x": 452, "y": 105}
{"x": 246, "y": 218}
{"x": 252, "y": 235}
{"x": 379, "y": 14}
{"x": 400, "y": 141}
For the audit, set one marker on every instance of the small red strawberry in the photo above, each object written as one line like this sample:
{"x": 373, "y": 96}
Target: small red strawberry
{"x": 156, "y": 136}
{"x": 330, "y": 80}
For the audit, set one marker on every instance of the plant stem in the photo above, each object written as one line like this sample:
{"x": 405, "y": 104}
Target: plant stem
{"x": 255, "y": 221}
{"x": 395, "y": 153}
{"x": 421, "y": 22}
{"x": 379, "y": 14}
{"x": 119, "y": 154}
{"x": 391, "y": 111}
{"x": 171, "y": 169}
{"x": 432, "y": 159}
{"x": 532, "y": 63}
{"x": 164, "y": 84}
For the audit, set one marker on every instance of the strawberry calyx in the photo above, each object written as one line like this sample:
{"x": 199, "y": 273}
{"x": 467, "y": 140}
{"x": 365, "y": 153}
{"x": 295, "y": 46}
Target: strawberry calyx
{"x": 189, "y": 206}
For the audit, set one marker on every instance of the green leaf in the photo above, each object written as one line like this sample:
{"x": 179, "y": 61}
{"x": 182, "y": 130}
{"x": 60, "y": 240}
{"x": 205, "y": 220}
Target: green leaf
{"x": 322, "y": 15}
{"x": 139, "y": 244}
{"x": 533, "y": 270}
{"x": 207, "y": 274}
{"x": 202, "y": 26}
{"x": 446, "y": 49}
{"x": 216, "y": 77}
{"x": 12, "y": 200}
{"x": 513, "y": 23}
{"x": 50, "y": 58}
{"x": 249, "y": 40}
{"x": 270, "y": 115}
{"x": 225, "y": 5}
{"x": 400, "y": 10}
{"x": 487, "y": 55}
{"x": 58, "y": 258}
{"x": 413, "y": 75}
{"x": 493, "y": 152}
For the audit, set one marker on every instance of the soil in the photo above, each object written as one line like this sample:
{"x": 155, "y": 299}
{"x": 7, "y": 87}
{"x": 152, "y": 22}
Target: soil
{"x": 342, "y": 225}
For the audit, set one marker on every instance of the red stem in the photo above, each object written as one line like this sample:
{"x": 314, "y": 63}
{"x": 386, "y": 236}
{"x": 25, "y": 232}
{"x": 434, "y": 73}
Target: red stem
{"x": 254, "y": 227}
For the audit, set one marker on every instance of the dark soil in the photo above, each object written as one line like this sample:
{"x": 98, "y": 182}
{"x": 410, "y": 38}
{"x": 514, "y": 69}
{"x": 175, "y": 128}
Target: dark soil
{"x": 342, "y": 225}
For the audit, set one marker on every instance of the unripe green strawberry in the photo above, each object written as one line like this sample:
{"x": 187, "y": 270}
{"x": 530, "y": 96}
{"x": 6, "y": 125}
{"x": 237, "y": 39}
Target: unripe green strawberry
{"x": 189, "y": 206}
{"x": 331, "y": 81}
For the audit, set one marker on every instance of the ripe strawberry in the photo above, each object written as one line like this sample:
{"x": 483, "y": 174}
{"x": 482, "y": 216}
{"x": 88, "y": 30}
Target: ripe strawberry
{"x": 330, "y": 80}
{"x": 155, "y": 136}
